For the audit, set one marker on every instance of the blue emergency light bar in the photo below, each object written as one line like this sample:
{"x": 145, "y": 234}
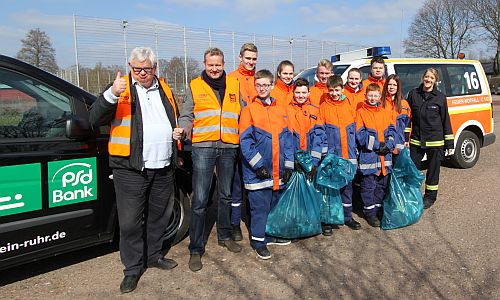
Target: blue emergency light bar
{"x": 362, "y": 53}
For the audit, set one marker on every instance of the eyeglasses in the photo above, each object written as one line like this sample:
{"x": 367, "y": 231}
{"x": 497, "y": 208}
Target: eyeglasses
{"x": 263, "y": 86}
{"x": 138, "y": 70}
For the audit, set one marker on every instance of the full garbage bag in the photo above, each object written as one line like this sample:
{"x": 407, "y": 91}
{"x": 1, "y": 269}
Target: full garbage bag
{"x": 403, "y": 201}
{"x": 304, "y": 159}
{"x": 297, "y": 213}
{"x": 333, "y": 174}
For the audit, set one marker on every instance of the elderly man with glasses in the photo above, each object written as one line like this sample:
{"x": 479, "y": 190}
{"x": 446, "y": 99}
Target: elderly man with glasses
{"x": 142, "y": 112}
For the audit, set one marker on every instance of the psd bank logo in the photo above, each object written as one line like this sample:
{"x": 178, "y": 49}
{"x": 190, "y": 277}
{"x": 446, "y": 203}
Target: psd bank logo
{"x": 72, "y": 181}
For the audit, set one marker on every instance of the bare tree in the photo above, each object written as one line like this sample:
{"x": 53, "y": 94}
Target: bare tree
{"x": 487, "y": 17}
{"x": 37, "y": 50}
{"x": 441, "y": 29}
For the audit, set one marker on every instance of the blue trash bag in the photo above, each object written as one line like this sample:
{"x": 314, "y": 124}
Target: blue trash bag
{"x": 304, "y": 159}
{"x": 331, "y": 208}
{"x": 403, "y": 201}
{"x": 297, "y": 213}
{"x": 335, "y": 172}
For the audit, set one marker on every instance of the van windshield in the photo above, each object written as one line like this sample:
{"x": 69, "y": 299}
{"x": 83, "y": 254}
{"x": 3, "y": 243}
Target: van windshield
{"x": 339, "y": 69}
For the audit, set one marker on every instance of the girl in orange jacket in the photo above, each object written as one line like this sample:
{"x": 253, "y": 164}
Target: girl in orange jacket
{"x": 283, "y": 87}
{"x": 398, "y": 109}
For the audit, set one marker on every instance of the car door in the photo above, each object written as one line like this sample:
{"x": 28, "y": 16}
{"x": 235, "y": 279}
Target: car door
{"x": 54, "y": 192}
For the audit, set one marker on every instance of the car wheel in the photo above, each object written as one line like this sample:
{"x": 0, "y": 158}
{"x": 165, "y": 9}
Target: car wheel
{"x": 467, "y": 150}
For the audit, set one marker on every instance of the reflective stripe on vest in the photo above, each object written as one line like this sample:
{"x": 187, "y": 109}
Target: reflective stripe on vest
{"x": 120, "y": 132}
{"x": 211, "y": 121}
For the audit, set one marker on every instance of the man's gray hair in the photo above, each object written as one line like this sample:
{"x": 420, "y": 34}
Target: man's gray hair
{"x": 141, "y": 54}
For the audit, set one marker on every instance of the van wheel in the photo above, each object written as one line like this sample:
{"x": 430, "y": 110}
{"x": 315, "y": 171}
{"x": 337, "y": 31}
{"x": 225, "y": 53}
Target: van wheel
{"x": 467, "y": 150}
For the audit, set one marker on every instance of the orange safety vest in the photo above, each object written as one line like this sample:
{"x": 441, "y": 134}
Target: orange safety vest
{"x": 120, "y": 132}
{"x": 211, "y": 122}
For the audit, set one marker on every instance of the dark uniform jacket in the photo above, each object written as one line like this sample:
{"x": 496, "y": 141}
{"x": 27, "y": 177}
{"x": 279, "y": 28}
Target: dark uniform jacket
{"x": 430, "y": 121}
{"x": 102, "y": 113}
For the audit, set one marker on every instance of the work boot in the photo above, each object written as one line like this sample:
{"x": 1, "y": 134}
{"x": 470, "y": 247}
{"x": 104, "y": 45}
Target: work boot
{"x": 263, "y": 253}
{"x": 279, "y": 242}
{"x": 195, "y": 262}
{"x": 428, "y": 202}
{"x": 236, "y": 233}
{"x": 129, "y": 283}
{"x": 353, "y": 224}
{"x": 373, "y": 221}
{"x": 230, "y": 245}
{"x": 327, "y": 230}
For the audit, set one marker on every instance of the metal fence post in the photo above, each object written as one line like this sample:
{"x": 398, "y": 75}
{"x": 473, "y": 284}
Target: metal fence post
{"x": 157, "y": 52}
{"x": 124, "y": 25}
{"x": 234, "y": 53}
{"x": 76, "y": 52}
{"x": 185, "y": 62}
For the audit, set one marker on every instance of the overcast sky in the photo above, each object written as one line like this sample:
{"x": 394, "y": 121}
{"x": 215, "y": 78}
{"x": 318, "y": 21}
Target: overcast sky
{"x": 359, "y": 22}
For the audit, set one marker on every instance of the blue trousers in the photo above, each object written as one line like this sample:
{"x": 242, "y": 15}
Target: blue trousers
{"x": 261, "y": 203}
{"x": 372, "y": 193}
{"x": 205, "y": 160}
{"x": 237, "y": 195}
{"x": 346, "y": 194}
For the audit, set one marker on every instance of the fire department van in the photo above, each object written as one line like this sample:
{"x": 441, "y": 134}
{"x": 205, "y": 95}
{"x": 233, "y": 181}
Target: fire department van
{"x": 462, "y": 81}
{"x": 56, "y": 192}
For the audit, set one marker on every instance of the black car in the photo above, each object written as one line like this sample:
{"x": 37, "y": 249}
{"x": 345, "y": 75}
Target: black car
{"x": 56, "y": 188}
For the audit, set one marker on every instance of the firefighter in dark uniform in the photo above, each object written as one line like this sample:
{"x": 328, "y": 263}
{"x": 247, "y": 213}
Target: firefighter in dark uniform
{"x": 431, "y": 132}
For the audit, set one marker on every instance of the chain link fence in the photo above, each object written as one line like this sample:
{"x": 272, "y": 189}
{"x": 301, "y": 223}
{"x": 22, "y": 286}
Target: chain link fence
{"x": 102, "y": 47}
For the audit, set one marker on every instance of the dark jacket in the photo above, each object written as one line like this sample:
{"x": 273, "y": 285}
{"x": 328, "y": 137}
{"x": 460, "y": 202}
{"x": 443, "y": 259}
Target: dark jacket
{"x": 430, "y": 121}
{"x": 102, "y": 113}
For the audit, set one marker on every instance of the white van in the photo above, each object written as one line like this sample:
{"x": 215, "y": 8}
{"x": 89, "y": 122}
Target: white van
{"x": 462, "y": 81}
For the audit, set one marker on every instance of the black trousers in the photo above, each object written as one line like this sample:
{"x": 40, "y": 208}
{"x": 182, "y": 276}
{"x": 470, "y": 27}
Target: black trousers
{"x": 145, "y": 201}
{"x": 434, "y": 158}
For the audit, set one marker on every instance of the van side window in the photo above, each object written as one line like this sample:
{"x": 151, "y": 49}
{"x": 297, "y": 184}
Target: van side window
{"x": 463, "y": 80}
{"x": 30, "y": 109}
{"x": 365, "y": 71}
{"x": 411, "y": 76}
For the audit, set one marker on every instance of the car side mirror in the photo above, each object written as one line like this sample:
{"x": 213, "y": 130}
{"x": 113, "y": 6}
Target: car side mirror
{"x": 77, "y": 128}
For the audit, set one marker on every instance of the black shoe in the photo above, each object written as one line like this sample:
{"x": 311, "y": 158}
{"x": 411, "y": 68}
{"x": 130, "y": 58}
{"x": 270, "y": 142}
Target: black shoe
{"x": 428, "y": 203}
{"x": 230, "y": 245}
{"x": 373, "y": 221}
{"x": 279, "y": 242}
{"x": 129, "y": 283}
{"x": 163, "y": 263}
{"x": 237, "y": 235}
{"x": 195, "y": 262}
{"x": 353, "y": 224}
{"x": 263, "y": 253}
{"x": 327, "y": 230}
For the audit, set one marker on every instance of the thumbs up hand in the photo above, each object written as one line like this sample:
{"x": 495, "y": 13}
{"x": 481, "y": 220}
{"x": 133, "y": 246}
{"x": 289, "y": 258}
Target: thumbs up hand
{"x": 119, "y": 85}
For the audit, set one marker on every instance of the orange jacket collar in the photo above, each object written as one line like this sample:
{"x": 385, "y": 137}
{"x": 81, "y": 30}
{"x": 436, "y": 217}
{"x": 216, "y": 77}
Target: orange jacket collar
{"x": 321, "y": 85}
{"x": 375, "y": 80}
{"x": 245, "y": 72}
{"x": 283, "y": 86}
{"x": 350, "y": 89}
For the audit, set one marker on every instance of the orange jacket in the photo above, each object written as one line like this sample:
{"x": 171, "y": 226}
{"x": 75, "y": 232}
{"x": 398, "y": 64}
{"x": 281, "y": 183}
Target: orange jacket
{"x": 307, "y": 127}
{"x": 211, "y": 121}
{"x": 400, "y": 120}
{"x": 316, "y": 93}
{"x": 373, "y": 126}
{"x": 356, "y": 98}
{"x": 282, "y": 93}
{"x": 120, "y": 132}
{"x": 247, "y": 83}
{"x": 265, "y": 141}
{"x": 340, "y": 127}
{"x": 371, "y": 79}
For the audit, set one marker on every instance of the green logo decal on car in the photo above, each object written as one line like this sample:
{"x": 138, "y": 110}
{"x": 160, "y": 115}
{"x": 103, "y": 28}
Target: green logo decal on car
{"x": 72, "y": 181}
{"x": 20, "y": 189}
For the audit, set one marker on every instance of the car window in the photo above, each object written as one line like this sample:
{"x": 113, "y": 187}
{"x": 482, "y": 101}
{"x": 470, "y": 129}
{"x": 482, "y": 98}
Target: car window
{"x": 339, "y": 69}
{"x": 29, "y": 108}
{"x": 309, "y": 74}
{"x": 411, "y": 76}
{"x": 463, "y": 80}
{"x": 365, "y": 71}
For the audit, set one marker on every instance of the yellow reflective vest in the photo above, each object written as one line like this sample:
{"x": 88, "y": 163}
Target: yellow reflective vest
{"x": 211, "y": 121}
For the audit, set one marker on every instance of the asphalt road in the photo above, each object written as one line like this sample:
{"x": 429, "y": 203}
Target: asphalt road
{"x": 453, "y": 252}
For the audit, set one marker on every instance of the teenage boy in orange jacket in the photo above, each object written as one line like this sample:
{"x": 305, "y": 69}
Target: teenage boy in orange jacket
{"x": 323, "y": 71}
{"x": 340, "y": 127}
